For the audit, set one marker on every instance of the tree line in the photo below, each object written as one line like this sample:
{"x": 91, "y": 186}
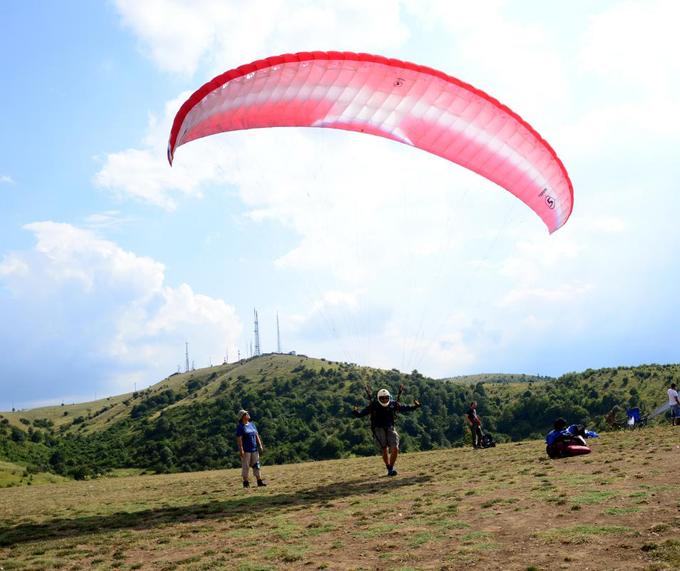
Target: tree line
{"x": 307, "y": 416}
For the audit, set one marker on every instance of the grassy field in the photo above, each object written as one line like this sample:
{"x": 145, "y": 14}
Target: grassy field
{"x": 507, "y": 507}
{"x": 16, "y": 475}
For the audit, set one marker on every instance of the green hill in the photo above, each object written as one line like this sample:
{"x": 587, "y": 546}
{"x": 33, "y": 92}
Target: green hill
{"x": 302, "y": 407}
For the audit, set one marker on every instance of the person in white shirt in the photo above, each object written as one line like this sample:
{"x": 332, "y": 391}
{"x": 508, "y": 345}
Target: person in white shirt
{"x": 674, "y": 401}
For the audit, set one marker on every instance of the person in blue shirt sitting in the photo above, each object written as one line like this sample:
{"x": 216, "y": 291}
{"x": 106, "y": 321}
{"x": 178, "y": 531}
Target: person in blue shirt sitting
{"x": 564, "y": 441}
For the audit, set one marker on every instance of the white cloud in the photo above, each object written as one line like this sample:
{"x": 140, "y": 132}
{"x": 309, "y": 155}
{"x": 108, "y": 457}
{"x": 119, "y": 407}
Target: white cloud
{"x": 633, "y": 128}
{"x": 563, "y": 294}
{"x": 110, "y": 219}
{"x": 13, "y": 265}
{"x": 516, "y": 61}
{"x": 144, "y": 174}
{"x": 327, "y": 316}
{"x": 628, "y": 83}
{"x": 605, "y": 224}
{"x": 444, "y": 352}
{"x": 127, "y": 324}
{"x": 180, "y": 35}
{"x": 72, "y": 254}
{"x": 636, "y": 41}
{"x": 4, "y": 179}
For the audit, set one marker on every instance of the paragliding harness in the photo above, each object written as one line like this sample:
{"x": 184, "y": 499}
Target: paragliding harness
{"x": 369, "y": 394}
{"x": 487, "y": 440}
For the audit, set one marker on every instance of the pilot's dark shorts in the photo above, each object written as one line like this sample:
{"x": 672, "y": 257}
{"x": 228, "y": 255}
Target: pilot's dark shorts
{"x": 386, "y": 437}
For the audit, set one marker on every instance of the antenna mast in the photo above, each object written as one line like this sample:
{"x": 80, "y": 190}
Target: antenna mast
{"x": 186, "y": 345}
{"x": 257, "y": 335}
{"x": 278, "y": 334}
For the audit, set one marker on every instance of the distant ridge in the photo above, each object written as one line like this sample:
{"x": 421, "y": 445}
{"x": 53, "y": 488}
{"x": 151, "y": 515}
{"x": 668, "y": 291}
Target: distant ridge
{"x": 496, "y": 378}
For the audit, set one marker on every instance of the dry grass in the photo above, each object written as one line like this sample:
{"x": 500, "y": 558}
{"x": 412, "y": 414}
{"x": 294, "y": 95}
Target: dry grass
{"x": 508, "y": 507}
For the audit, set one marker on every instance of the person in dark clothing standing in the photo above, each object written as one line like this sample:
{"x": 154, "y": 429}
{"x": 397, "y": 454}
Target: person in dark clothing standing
{"x": 475, "y": 425}
{"x": 383, "y": 411}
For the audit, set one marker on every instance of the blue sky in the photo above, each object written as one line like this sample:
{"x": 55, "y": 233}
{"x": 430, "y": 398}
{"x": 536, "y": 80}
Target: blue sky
{"x": 369, "y": 251}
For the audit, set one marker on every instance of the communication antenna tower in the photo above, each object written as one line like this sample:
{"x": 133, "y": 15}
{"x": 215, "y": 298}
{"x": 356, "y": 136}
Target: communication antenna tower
{"x": 186, "y": 345}
{"x": 257, "y": 335}
{"x": 278, "y": 334}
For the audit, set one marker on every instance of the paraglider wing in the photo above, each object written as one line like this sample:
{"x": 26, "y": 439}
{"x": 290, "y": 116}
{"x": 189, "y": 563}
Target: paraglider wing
{"x": 409, "y": 103}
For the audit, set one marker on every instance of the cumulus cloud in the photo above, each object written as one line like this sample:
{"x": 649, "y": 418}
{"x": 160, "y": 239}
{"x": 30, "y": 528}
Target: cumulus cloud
{"x": 13, "y": 265}
{"x": 635, "y": 42}
{"x": 564, "y": 294}
{"x": 144, "y": 175}
{"x": 109, "y": 219}
{"x": 516, "y": 60}
{"x": 101, "y": 316}
{"x": 181, "y": 35}
{"x": 626, "y": 57}
{"x": 348, "y": 317}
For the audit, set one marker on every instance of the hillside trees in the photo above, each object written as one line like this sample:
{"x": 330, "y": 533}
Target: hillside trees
{"x": 305, "y": 414}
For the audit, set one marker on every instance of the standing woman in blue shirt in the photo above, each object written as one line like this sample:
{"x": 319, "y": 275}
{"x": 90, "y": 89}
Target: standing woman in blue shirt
{"x": 248, "y": 440}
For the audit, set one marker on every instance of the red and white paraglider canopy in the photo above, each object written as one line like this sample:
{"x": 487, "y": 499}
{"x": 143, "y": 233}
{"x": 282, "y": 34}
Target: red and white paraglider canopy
{"x": 409, "y": 103}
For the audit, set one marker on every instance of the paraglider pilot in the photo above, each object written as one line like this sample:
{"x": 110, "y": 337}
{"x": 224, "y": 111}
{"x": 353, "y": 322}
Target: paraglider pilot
{"x": 383, "y": 411}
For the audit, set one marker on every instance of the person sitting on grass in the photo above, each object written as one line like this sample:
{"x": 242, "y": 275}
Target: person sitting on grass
{"x": 565, "y": 441}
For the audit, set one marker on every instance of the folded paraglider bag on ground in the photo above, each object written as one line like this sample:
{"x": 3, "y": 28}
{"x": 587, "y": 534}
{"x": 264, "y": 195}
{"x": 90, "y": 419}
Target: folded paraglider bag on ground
{"x": 565, "y": 449}
{"x": 487, "y": 441}
{"x": 576, "y": 450}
